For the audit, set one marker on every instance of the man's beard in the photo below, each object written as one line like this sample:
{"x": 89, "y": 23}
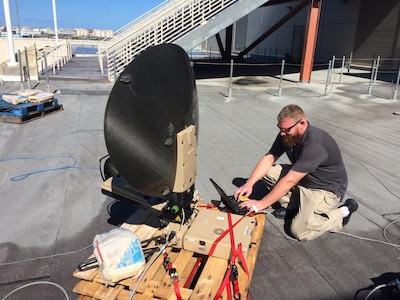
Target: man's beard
{"x": 291, "y": 140}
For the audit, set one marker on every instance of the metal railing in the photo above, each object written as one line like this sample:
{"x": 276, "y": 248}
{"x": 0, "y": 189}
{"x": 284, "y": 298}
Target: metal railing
{"x": 341, "y": 75}
{"x": 164, "y": 24}
{"x": 53, "y": 58}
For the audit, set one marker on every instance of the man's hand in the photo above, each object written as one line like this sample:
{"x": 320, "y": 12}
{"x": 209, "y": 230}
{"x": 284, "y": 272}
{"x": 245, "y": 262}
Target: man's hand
{"x": 244, "y": 191}
{"x": 252, "y": 205}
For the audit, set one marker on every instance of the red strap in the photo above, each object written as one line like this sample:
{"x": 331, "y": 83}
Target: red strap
{"x": 237, "y": 253}
{"x": 232, "y": 236}
{"x": 233, "y": 246}
{"x": 214, "y": 245}
{"x": 193, "y": 272}
{"x": 176, "y": 287}
{"x": 174, "y": 276}
{"x": 225, "y": 282}
{"x": 207, "y": 206}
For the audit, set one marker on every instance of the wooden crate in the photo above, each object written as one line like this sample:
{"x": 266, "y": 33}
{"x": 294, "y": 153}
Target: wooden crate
{"x": 156, "y": 284}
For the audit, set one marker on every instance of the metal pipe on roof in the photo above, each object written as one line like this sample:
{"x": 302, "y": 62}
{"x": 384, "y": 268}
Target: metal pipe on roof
{"x": 7, "y": 15}
{"x": 55, "y": 20}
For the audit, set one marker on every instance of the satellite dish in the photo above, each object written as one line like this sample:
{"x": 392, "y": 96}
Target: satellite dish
{"x": 153, "y": 99}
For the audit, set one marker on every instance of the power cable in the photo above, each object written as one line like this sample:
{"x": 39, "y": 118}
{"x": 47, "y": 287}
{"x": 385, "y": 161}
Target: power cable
{"x": 36, "y": 283}
{"x": 368, "y": 239}
{"x": 388, "y": 243}
{"x": 386, "y": 227}
{"x": 45, "y": 257}
{"x": 393, "y": 283}
{"x": 374, "y": 290}
{"x": 26, "y": 175}
{"x": 150, "y": 263}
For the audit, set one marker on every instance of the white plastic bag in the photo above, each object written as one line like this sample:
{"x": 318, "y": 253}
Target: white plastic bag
{"x": 119, "y": 254}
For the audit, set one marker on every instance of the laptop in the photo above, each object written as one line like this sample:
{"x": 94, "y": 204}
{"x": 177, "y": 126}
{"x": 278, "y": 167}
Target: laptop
{"x": 229, "y": 201}
{"x": 209, "y": 224}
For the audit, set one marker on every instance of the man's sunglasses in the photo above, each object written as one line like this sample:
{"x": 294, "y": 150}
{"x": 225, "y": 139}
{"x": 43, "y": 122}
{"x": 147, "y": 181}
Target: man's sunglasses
{"x": 287, "y": 130}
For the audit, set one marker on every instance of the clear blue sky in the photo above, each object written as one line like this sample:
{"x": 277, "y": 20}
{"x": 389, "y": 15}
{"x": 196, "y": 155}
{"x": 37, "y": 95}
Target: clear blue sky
{"x": 90, "y": 14}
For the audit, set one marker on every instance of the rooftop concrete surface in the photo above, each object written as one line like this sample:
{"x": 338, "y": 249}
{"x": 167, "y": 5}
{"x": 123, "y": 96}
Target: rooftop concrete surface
{"x": 48, "y": 219}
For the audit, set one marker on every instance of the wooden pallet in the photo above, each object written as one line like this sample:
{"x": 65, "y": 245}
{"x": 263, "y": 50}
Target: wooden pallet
{"x": 25, "y": 112}
{"x": 156, "y": 283}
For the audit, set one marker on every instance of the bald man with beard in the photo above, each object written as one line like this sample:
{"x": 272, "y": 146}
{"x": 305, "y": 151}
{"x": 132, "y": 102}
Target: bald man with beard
{"x": 314, "y": 183}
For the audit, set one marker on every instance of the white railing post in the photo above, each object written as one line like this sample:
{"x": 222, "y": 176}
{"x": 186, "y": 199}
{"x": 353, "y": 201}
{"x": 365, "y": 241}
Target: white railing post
{"x": 280, "y": 80}
{"x": 377, "y": 67}
{"x": 230, "y": 81}
{"x": 397, "y": 85}
{"x": 328, "y": 78}
{"x": 341, "y": 69}
{"x": 28, "y": 76}
{"x": 332, "y": 68}
{"x": 21, "y": 70}
{"x": 372, "y": 77}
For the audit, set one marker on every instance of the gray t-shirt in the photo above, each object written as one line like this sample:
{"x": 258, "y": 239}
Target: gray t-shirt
{"x": 318, "y": 155}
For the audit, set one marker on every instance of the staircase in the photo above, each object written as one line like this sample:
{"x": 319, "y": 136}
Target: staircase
{"x": 186, "y": 23}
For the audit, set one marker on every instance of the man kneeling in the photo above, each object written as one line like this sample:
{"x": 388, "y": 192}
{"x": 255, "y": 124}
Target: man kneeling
{"x": 315, "y": 181}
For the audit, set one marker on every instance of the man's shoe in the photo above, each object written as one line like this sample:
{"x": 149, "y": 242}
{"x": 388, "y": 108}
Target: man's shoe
{"x": 279, "y": 213}
{"x": 352, "y": 205}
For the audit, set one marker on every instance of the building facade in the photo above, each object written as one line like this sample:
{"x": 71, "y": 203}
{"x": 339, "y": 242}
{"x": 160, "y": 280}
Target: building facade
{"x": 360, "y": 29}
